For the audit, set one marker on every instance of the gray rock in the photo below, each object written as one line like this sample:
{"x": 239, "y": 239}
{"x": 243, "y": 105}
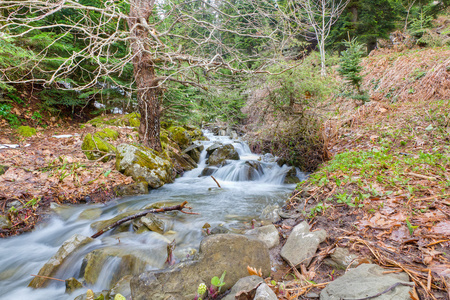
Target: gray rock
{"x": 154, "y": 223}
{"x": 264, "y": 292}
{"x": 90, "y": 214}
{"x": 208, "y": 171}
{"x": 218, "y": 253}
{"x": 270, "y": 213}
{"x": 4, "y": 222}
{"x": 365, "y": 281}
{"x": 341, "y": 258}
{"x": 97, "y": 226}
{"x": 16, "y": 204}
{"x": 246, "y": 285}
{"x": 194, "y": 152}
{"x": 221, "y": 154}
{"x": 51, "y": 267}
{"x": 135, "y": 188}
{"x": 268, "y": 234}
{"x": 121, "y": 287}
{"x": 302, "y": 244}
{"x": 219, "y": 230}
{"x": 291, "y": 176}
{"x": 212, "y": 148}
{"x": 143, "y": 163}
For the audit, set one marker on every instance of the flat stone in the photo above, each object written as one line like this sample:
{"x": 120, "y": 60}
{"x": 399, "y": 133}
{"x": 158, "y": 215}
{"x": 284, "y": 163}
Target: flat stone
{"x": 51, "y": 267}
{"x": 341, "y": 258}
{"x": 365, "y": 281}
{"x": 264, "y": 292}
{"x": 90, "y": 214}
{"x": 302, "y": 244}
{"x": 218, "y": 253}
{"x": 268, "y": 234}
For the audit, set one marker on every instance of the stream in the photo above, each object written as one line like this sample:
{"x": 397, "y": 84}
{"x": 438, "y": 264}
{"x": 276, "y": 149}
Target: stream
{"x": 233, "y": 206}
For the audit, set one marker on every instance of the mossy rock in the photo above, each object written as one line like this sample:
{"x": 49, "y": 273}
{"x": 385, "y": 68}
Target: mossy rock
{"x": 3, "y": 169}
{"x": 107, "y": 134}
{"x": 180, "y": 136}
{"x": 125, "y": 120}
{"x": 26, "y": 131}
{"x": 95, "y": 147}
{"x": 143, "y": 163}
{"x": 196, "y": 134}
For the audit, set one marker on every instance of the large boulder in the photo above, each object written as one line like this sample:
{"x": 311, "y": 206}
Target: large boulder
{"x": 221, "y": 154}
{"x": 180, "y": 136}
{"x": 182, "y": 162}
{"x": 143, "y": 163}
{"x": 218, "y": 253}
{"x": 366, "y": 281}
{"x": 268, "y": 234}
{"x": 302, "y": 244}
{"x": 52, "y": 266}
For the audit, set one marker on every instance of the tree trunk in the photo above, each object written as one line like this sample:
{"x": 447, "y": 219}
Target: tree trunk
{"x": 144, "y": 74}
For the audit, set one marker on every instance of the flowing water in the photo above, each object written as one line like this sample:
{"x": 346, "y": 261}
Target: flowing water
{"x": 244, "y": 194}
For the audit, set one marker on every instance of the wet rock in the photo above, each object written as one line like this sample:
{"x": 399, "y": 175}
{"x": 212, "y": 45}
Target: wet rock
{"x": 221, "y": 154}
{"x": 302, "y": 244}
{"x": 135, "y": 188}
{"x": 194, "y": 152}
{"x": 218, "y": 253}
{"x": 268, "y": 234}
{"x": 208, "y": 171}
{"x": 143, "y": 163}
{"x": 90, "y": 214}
{"x": 291, "y": 176}
{"x": 122, "y": 261}
{"x": 341, "y": 258}
{"x": 161, "y": 204}
{"x": 182, "y": 162}
{"x": 4, "y": 222}
{"x": 154, "y": 223}
{"x": 268, "y": 158}
{"x": 103, "y": 295}
{"x": 270, "y": 213}
{"x": 234, "y": 135}
{"x": 121, "y": 287}
{"x": 247, "y": 285}
{"x": 213, "y": 148}
{"x": 72, "y": 285}
{"x": 365, "y": 281}
{"x": 253, "y": 170}
{"x": 51, "y": 267}
{"x": 264, "y": 292}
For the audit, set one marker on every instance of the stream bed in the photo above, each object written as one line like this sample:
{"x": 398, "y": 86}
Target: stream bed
{"x": 242, "y": 197}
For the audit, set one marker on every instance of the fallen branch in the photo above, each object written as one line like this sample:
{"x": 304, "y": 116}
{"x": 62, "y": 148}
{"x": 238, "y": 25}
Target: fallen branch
{"x": 421, "y": 176}
{"x": 216, "y": 181}
{"x": 179, "y": 207}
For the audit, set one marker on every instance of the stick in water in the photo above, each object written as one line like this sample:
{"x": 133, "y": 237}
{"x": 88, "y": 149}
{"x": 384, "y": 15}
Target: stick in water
{"x": 216, "y": 181}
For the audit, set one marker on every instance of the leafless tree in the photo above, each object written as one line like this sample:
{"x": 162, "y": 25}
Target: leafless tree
{"x": 168, "y": 40}
{"x": 320, "y": 15}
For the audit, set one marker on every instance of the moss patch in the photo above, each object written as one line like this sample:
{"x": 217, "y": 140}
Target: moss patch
{"x": 95, "y": 147}
{"x": 180, "y": 136}
{"x": 26, "y": 131}
{"x": 108, "y": 134}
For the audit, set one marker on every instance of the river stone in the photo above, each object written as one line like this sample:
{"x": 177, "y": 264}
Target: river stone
{"x": 4, "y": 222}
{"x": 90, "y": 214}
{"x": 213, "y": 148}
{"x": 135, "y": 188}
{"x": 208, "y": 171}
{"x": 218, "y": 253}
{"x": 264, "y": 292}
{"x": 97, "y": 226}
{"x": 268, "y": 234}
{"x": 95, "y": 296}
{"x": 143, "y": 163}
{"x": 270, "y": 213}
{"x": 302, "y": 244}
{"x": 72, "y": 285}
{"x": 341, "y": 258}
{"x": 154, "y": 223}
{"x": 121, "y": 287}
{"x": 253, "y": 170}
{"x": 194, "y": 152}
{"x": 220, "y": 229}
{"x": 221, "y": 154}
{"x": 365, "y": 281}
{"x": 51, "y": 267}
{"x": 180, "y": 136}
{"x": 246, "y": 285}
{"x": 291, "y": 176}
{"x": 127, "y": 261}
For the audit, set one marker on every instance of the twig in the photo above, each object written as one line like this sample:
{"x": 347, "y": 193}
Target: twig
{"x": 48, "y": 277}
{"x": 437, "y": 242}
{"x": 216, "y": 181}
{"x": 421, "y": 176}
{"x": 179, "y": 207}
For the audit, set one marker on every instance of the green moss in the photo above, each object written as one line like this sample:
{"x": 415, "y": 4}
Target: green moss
{"x": 96, "y": 147}
{"x": 107, "y": 134}
{"x": 180, "y": 136}
{"x": 134, "y": 122}
{"x": 26, "y": 131}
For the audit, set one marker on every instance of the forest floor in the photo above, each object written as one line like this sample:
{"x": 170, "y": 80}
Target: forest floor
{"x": 51, "y": 167}
{"x": 386, "y": 191}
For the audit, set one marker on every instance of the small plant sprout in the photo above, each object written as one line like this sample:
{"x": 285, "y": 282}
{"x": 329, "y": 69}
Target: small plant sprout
{"x": 410, "y": 227}
{"x": 216, "y": 285}
{"x": 201, "y": 290}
